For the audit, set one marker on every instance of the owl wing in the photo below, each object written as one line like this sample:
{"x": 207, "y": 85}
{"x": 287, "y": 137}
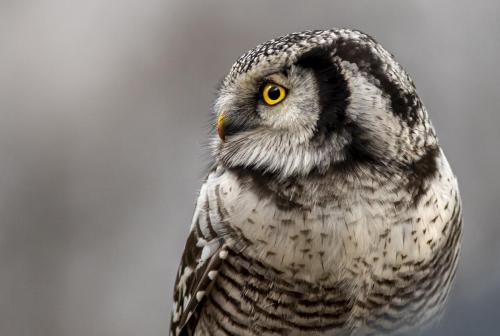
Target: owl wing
{"x": 202, "y": 257}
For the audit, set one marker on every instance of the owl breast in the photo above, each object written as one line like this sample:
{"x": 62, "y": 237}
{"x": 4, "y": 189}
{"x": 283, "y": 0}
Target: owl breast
{"x": 372, "y": 260}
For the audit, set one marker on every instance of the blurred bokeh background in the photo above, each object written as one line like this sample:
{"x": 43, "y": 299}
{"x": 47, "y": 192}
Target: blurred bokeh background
{"x": 104, "y": 110}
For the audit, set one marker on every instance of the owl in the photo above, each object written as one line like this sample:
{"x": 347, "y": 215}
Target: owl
{"x": 330, "y": 208}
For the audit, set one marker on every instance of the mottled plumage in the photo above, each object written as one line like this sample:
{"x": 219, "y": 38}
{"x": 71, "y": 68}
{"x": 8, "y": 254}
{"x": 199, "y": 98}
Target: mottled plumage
{"x": 332, "y": 212}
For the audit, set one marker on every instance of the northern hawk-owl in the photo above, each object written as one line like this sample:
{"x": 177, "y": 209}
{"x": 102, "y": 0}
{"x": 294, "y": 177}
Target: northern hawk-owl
{"x": 330, "y": 208}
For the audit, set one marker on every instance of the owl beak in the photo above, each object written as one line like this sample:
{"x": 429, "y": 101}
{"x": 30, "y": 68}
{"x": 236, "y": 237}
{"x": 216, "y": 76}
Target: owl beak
{"x": 220, "y": 126}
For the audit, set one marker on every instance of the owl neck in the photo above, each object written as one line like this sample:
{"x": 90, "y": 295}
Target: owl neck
{"x": 306, "y": 192}
{"x": 341, "y": 183}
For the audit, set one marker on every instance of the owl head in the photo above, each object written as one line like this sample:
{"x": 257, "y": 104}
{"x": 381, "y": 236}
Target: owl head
{"x": 319, "y": 101}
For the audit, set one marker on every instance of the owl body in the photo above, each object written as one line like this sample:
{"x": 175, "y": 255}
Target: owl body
{"x": 333, "y": 212}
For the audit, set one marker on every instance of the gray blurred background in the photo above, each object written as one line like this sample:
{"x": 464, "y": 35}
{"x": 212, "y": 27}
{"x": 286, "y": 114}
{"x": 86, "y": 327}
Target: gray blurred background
{"x": 104, "y": 110}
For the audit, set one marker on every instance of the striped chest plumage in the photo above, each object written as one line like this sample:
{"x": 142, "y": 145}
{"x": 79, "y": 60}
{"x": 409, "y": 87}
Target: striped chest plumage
{"x": 367, "y": 267}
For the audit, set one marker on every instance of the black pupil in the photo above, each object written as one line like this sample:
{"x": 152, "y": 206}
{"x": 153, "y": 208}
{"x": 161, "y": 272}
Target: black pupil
{"x": 274, "y": 93}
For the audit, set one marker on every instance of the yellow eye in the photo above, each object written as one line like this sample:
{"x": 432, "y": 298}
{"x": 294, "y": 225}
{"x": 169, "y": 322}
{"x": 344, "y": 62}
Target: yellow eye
{"x": 272, "y": 94}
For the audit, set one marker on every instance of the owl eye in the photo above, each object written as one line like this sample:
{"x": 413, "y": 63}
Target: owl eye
{"x": 273, "y": 93}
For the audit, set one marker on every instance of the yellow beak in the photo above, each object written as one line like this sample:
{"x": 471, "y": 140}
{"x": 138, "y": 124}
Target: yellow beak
{"x": 220, "y": 126}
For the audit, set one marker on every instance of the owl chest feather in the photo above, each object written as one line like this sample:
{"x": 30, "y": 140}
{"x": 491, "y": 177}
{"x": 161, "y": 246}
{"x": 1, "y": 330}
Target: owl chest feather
{"x": 364, "y": 232}
{"x": 367, "y": 256}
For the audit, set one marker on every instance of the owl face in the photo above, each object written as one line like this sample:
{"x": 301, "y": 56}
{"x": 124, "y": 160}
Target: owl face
{"x": 318, "y": 101}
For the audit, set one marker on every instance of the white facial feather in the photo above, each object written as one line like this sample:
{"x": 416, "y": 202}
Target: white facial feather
{"x": 299, "y": 111}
